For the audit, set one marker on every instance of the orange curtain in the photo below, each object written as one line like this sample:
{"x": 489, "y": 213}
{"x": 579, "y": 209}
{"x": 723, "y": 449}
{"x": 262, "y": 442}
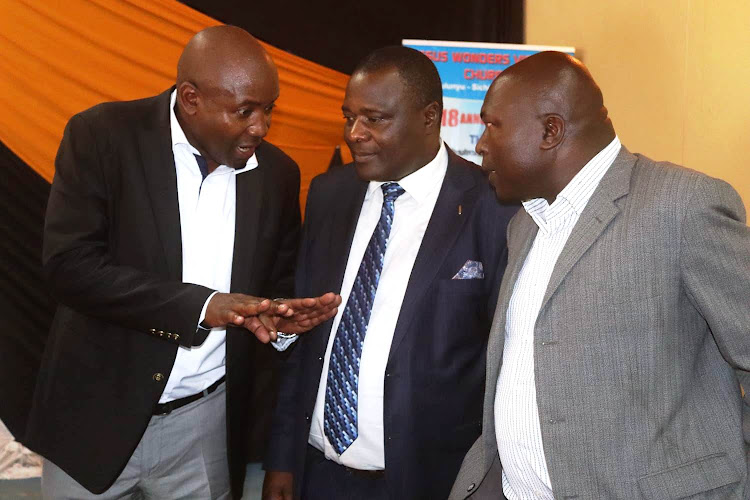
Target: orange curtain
{"x": 59, "y": 57}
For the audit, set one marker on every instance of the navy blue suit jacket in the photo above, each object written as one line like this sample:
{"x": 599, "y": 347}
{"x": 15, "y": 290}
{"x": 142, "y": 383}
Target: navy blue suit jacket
{"x": 435, "y": 374}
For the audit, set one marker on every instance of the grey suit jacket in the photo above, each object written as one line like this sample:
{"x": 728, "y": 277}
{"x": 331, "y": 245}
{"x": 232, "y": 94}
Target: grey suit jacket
{"x": 641, "y": 343}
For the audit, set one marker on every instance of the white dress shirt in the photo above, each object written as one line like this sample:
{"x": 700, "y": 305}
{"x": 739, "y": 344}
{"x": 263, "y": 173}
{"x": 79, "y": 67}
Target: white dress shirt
{"x": 517, "y": 428}
{"x": 412, "y": 212}
{"x": 207, "y": 212}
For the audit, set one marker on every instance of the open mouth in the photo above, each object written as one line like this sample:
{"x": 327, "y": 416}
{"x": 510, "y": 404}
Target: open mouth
{"x": 246, "y": 150}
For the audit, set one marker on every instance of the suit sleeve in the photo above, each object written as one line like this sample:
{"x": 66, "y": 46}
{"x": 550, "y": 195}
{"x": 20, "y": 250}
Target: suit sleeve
{"x": 77, "y": 261}
{"x": 715, "y": 266}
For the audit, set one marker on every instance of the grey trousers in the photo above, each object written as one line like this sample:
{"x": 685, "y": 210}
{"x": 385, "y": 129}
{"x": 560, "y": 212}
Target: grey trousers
{"x": 182, "y": 455}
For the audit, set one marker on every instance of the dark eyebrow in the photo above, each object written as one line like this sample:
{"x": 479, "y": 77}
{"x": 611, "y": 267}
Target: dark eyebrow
{"x": 249, "y": 102}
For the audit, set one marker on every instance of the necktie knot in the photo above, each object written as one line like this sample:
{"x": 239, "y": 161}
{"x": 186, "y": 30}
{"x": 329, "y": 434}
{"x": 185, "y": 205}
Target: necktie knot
{"x": 391, "y": 191}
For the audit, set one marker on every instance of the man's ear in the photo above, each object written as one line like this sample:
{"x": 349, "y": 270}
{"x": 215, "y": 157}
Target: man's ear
{"x": 188, "y": 95}
{"x": 432, "y": 115}
{"x": 554, "y": 131}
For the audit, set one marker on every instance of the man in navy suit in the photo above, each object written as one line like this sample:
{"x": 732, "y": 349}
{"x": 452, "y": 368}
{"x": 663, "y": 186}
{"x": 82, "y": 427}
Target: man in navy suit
{"x": 383, "y": 400}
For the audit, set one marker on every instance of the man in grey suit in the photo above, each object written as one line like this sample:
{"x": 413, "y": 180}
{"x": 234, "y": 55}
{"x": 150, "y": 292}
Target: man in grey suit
{"x": 622, "y": 331}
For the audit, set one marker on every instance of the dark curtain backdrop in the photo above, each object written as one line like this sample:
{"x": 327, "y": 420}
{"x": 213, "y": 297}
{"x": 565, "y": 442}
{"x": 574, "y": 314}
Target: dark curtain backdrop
{"x": 335, "y": 34}
{"x": 338, "y": 34}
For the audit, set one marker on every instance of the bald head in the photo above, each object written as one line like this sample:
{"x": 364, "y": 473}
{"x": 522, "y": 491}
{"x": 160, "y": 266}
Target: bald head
{"x": 555, "y": 83}
{"x": 217, "y": 56}
{"x": 226, "y": 88}
{"x": 545, "y": 119}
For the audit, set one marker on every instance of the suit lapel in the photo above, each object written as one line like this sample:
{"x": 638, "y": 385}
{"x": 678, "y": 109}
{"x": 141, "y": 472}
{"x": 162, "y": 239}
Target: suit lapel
{"x": 249, "y": 201}
{"x": 599, "y": 212}
{"x": 340, "y": 232}
{"x": 336, "y": 244}
{"x": 444, "y": 227}
{"x": 519, "y": 244}
{"x": 155, "y": 145}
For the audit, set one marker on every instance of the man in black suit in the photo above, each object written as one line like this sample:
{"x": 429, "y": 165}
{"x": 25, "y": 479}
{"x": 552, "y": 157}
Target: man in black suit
{"x": 384, "y": 400}
{"x": 159, "y": 208}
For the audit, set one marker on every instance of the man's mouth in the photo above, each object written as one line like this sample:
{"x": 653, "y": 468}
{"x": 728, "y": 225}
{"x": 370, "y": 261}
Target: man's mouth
{"x": 247, "y": 149}
{"x": 363, "y": 156}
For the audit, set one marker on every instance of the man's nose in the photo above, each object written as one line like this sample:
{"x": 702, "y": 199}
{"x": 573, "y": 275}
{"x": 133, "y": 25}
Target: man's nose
{"x": 258, "y": 127}
{"x": 357, "y": 131}
{"x": 481, "y": 147}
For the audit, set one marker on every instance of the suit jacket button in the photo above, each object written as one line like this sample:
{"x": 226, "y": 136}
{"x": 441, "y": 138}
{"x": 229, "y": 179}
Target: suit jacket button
{"x": 176, "y": 336}
{"x": 158, "y": 377}
{"x": 471, "y": 487}
{"x": 153, "y": 330}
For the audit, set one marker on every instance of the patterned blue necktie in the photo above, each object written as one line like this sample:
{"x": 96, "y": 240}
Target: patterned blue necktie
{"x": 340, "y": 415}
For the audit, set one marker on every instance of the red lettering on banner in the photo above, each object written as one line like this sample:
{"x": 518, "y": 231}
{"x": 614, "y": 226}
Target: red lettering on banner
{"x": 450, "y": 118}
{"x": 519, "y": 57}
{"x": 470, "y": 118}
{"x": 481, "y": 58}
{"x": 480, "y": 74}
{"x": 436, "y": 56}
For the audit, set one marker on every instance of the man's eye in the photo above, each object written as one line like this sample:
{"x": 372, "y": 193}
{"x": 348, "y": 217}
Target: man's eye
{"x": 374, "y": 119}
{"x": 244, "y": 112}
{"x": 269, "y": 108}
{"x": 349, "y": 119}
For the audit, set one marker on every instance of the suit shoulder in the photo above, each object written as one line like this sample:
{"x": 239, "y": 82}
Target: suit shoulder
{"x": 271, "y": 153}
{"x": 663, "y": 182}
{"x": 116, "y": 114}
{"x": 464, "y": 166}
{"x": 336, "y": 177}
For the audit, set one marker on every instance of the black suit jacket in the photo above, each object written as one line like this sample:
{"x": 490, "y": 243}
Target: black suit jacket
{"x": 435, "y": 373}
{"x": 113, "y": 259}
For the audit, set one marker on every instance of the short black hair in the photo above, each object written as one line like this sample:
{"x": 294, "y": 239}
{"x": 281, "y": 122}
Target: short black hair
{"x": 416, "y": 70}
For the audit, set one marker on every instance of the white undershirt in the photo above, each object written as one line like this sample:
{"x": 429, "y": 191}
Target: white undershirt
{"x": 517, "y": 428}
{"x": 207, "y": 211}
{"x": 412, "y": 212}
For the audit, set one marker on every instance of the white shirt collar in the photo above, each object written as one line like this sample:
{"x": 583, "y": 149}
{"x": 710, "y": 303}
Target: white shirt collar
{"x": 574, "y": 197}
{"x": 422, "y": 181}
{"x": 180, "y": 140}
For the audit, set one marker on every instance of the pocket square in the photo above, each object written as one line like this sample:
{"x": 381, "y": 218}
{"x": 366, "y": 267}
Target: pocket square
{"x": 472, "y": 270}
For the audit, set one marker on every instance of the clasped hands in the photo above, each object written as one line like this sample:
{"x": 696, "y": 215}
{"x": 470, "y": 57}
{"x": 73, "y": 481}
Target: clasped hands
{"x": 266, "y": 317}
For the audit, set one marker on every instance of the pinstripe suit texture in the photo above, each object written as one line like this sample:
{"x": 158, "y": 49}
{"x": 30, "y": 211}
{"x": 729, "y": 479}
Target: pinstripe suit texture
{"x": 640, "y": 346}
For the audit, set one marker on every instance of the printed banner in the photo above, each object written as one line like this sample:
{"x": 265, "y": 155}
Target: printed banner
{"x": 467, "y": 69}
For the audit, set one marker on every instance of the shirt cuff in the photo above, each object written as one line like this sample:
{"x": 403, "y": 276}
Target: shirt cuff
{"x": 284, "y": 340}
{"x": 203, "y": 312}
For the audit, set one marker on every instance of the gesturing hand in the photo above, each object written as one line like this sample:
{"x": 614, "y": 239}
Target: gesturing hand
{"x": 307, "y": 313}
{"x": 235, "y": 308}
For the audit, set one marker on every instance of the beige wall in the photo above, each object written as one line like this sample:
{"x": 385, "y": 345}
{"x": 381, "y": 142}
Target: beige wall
{"x": 675, "y": 74}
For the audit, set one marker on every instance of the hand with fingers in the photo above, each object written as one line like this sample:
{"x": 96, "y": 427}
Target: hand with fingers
{"x": 278, "y": 485}
{"x": 307, "y": 313}
{"x": 237, "y": 309}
